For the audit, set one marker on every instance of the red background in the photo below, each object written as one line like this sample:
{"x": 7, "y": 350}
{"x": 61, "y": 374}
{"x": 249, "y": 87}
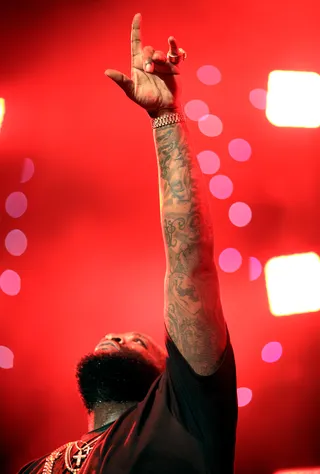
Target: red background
{"x": 95, "y": 260}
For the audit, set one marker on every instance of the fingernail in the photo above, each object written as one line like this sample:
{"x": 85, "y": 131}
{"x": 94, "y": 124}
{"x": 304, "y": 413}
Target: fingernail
{"x": 149, "y": 67}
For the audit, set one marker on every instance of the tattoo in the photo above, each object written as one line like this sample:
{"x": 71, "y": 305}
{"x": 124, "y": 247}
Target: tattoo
{"x": 193, "y": 315}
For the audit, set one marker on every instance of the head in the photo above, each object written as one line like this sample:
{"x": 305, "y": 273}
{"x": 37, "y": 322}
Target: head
{"x": 121, "y": 369}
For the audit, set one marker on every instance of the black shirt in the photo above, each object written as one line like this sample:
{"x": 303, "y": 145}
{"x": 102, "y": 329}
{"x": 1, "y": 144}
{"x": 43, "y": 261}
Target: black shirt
{"x": 186, "y": 424}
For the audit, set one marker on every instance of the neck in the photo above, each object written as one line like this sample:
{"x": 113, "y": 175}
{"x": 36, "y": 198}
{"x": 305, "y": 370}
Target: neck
{"x": 107, "y": 412}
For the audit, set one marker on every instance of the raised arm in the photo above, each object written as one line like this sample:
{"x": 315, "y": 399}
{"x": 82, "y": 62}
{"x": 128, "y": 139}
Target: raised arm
{"x": 193, "y": 314}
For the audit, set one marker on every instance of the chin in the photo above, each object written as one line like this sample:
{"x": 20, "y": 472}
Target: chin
{"x": 115, "y": 376}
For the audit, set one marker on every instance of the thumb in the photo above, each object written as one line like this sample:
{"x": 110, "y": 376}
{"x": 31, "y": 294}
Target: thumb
{"x": 122, "y": 80}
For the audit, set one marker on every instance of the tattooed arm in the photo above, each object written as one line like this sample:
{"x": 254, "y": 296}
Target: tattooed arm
{"x": 193, "y": 314}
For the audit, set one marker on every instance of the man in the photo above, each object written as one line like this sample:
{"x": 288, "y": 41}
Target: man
{"x": 152, "y": 411}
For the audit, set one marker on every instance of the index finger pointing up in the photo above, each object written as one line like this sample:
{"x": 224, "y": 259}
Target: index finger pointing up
{"x": 136, "y": 45}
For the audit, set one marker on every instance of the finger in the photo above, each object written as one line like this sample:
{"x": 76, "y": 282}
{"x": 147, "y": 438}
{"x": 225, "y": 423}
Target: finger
{"x": 147, "y": 55}
{"x": 173, "y": 45}
{"x": 159, "y": 57}
{"x": 136, "y": 43}
{"x": 122, "y": 80}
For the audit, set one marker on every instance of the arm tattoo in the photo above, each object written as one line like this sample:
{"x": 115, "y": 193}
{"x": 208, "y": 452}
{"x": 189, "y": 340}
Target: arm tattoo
{"x": 193, "y": 313}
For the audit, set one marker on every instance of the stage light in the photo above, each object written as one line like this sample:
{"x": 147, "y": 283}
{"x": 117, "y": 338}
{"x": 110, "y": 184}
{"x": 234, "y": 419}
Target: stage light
{"x": 2, "y": 110}
{"x": 293, "y": 99}
{"x": 293, "y": 283}
{"x": 307, "y": 470}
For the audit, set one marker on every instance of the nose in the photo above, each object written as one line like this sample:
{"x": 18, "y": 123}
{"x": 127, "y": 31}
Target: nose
{"x": 117, "y": 339}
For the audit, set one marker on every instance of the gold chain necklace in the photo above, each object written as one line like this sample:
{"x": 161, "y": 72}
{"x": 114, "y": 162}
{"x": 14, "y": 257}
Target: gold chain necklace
{"x": 79, "y": 457}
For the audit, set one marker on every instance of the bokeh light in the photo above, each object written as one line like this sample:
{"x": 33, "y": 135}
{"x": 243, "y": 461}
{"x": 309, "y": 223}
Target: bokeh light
{"x": 271, "y": 352}
{"x": 10, "y": 282}
{"x": 239, "y": 149}
{"x": 255, "y": 268}
{"x": 16, "y": 204}
{"x": 195, "y": 109}
{"x": 230, "y": 260}
{"x": 258, "y": 98}
{"x": 240, "y": 214}
{"x": 210, "y": 125}
{"x": 16, "y": 242}
{"x": 6, "y": 358}
{"x": 221, "y": 186}
{"x": 2, "y": 111}
{"x": 293, "y": 283}
{"x": 27, "y": 170}
{"x": 244, "y": 396}
{"x": 209, "y": 161}
{"x": 209, "y": 75}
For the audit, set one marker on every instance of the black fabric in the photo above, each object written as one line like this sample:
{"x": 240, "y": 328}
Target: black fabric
{"x": 186, "y": 424}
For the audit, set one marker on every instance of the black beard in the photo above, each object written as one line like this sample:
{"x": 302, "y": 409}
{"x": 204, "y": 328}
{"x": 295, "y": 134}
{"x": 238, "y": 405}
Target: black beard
{"x": 123, "y": 376}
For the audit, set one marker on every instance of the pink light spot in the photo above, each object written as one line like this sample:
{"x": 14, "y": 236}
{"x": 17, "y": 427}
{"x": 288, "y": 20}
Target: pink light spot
{"x": 209, "y": 75}
{"x": 16, "y": 204}
{"x": 271, "y": 352}
{"x": 239, "y": 149}
{"x": 210, "y": 125}
{"x": 221, "y": 186}
{"x": 16, "y": 242}
{"x": 255, "y": 268}
{"x": 240, "y": 214}
{"x": 258, "y": 98}
{"x": 6, "y": 358}
{"x": 10, "y": 283}
{"x": 230, "y": 260}
{"x": 209, "y": 162}
{"x": 195, "y": 109}
{"x": 244, "y": 396}
{"x": 27, "y": 170}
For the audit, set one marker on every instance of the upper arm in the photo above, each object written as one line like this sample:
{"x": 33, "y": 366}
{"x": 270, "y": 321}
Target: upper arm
{"x": 194, "y": 318}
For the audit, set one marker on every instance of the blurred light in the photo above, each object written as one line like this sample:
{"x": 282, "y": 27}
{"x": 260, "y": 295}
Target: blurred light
{"x": 240, "y": 214}
{"x": 293, "y": 99}
{"x": 195, "y": 109}
{"x": 255, "y": 268}
{"x": 230, "y": 260}
{"x": 244, "y": 396}
{"x": 10, "y": 283}
{"x": 16, "y": 242}
{"x": 2, "y": 110}
{"x": 209, "y": 75}
{"x": 209, "y": 162}
{"x": 307, "y": 470}
{"x": 239, "y": 149}
{"x": 16, "y": 204}
{"x": 271, "y": 352}
{"x": 6, "y": 358}
{"x": 221, "y": 186}
{"x": 258, "y": 98}
{"x": 210, "y": 125}
{"x": 293, "y": 284}
{"x": 27, "y": 170}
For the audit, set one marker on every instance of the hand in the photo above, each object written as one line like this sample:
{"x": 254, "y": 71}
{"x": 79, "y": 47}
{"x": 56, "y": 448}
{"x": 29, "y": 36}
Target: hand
{"x": 154, "y": 80}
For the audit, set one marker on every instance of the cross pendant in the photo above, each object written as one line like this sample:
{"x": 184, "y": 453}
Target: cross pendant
{"x": 79, "y": 456}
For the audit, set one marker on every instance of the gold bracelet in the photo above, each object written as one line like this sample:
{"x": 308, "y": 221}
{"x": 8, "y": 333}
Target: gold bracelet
{"x": 168, "y": 119}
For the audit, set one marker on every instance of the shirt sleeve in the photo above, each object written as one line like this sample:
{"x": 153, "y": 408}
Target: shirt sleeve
{"x": 205, "y": 405}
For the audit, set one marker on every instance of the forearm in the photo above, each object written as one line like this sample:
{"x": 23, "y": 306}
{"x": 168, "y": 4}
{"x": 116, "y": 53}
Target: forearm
{"x": 185, "y": 214}
{"x": 193, "y": 313}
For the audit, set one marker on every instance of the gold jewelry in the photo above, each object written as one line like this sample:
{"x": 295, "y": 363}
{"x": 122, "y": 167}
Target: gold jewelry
{"x": 51, "y": 459}
{"x": 79, "y": 457}
{"x": 168, "y": 119}
{"x": 177, "y": 58}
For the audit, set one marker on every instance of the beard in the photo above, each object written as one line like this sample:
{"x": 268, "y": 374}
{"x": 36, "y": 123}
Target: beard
{"x": 124, "y": 376}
